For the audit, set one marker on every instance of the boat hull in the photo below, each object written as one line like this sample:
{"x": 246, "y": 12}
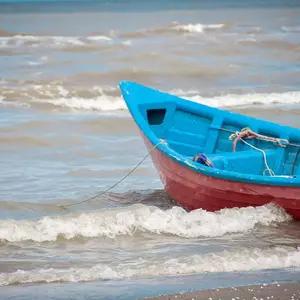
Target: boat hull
{"x": 194, "y": 190}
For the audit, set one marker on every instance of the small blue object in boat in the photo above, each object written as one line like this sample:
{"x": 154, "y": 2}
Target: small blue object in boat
{"x": 203, "y": 159}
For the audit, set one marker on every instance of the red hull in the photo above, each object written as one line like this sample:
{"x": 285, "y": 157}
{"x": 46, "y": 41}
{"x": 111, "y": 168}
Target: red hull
{"x": 193, "y": 190}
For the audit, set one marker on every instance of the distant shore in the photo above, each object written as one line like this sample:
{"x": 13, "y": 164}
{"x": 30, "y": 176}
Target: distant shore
{"x": 279, "y": 291}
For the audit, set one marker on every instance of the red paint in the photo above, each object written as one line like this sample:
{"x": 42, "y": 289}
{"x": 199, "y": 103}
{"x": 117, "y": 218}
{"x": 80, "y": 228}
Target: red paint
{"x": 194, "y": 190}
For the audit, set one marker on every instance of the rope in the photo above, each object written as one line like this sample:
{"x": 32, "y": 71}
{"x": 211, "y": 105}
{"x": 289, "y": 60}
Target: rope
{"x": 115, "y": 184}
{"x": 276, "y": 141}
{"x": 265, "y": 158}
{"x": 247, "y": 133}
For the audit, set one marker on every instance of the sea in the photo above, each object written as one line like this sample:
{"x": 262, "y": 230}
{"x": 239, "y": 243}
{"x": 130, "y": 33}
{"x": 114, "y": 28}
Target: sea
{"x": 66, "y": 135}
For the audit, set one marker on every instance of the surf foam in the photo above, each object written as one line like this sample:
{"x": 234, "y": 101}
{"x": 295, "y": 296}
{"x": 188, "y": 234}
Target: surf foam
{"x": 240, "y": 260}
{"x": 109, "y": 98}
{"x": 95, "y": 98}
{"x": 243, "y": 99}
{"x": 102, "y": 103}
{"x": 51, "y": 41}
{"x": 197, "y": 28}
{"x": 142, "y": 218}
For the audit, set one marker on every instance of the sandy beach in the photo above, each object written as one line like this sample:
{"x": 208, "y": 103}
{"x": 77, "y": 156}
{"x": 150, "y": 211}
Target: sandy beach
{"x": 279, "y": 291}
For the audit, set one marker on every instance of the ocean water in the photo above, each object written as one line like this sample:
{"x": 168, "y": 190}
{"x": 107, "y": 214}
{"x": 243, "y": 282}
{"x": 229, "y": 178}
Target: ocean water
{"x": 66, "y": 134}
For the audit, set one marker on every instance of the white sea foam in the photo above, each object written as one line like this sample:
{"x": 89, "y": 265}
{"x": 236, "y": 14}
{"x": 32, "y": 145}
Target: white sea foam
{"x": 99, "y": 38}
{"x": 101, "y": 103}
{"x": 109, "y": 98}
{"x": 197, "y": 28}
{"x": 240, "y": 260}
{"x": 127, "y": 43}
{"x": 288, "y": 98}
{"x": 126, "y": 221}
{"x": 42, "y": 60}
{"x": 50, "y": 41}
{"x": 96, "y": 98}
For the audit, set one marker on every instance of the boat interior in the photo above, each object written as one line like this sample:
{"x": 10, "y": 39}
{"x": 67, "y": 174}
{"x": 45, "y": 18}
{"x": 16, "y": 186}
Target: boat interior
{"x": 190, "y": 129}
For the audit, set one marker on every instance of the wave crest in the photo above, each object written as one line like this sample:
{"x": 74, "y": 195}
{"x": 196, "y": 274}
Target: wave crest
{"x": 41, "y": 95}
{"x": 231, "y": 100}
{"x": 197, "y": 28}
{"x": 108, "y": 98}
{"x": 240, "y": 260}
{"x": 174, "y": 27}
{"x": 32, "y": 41}
{"x": 126, "y": 221}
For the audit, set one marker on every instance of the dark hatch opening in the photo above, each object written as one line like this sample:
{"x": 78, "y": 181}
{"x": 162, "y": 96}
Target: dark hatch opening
{"x": 156, "y": 116}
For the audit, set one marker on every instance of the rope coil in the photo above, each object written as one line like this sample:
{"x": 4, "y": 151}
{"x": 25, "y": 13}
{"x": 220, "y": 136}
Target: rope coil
{"x": 249, "y": 134}
{"x": 277, "y": 141}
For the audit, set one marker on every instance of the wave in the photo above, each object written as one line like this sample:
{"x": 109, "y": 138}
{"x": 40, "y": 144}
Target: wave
{"x": 240, "y": 260}
{"x": 102, "y": 103}
{"x": 197, "y": 28}
{"x": 33, "y": 41}
{"x": 55, "y": 95}
{"x": 17, "y": 40}
{"x": 173, "y": 28}
{"x": 141, "y": 218}
{"x": 232, "y": 100}
{"x": 108, "y": 98}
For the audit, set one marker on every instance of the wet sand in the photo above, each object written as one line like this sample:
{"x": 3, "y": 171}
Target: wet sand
{"x": 279, "y": 291}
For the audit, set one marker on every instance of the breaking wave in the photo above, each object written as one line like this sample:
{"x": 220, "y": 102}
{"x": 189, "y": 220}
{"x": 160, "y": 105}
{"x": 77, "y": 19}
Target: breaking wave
{"x": 41, "y": 95}
{"x": 16, "y": 40}
{"x": 197, "y": 28}
{"x": 102, "y": 103}
{"x": 174, "y": 28}
{"x": 141, "y": 218}
{"x": 229, "y": 100}
{"x": 33, "y": 41}
{"x": 108, "y": 98}
{"x": 239, "y": 260}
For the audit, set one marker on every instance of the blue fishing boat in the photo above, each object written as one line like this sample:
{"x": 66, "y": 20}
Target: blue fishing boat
{"x": 211, "y": 158}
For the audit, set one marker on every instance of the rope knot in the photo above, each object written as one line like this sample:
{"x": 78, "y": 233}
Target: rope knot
{"x": 281, "y": 143}
{"x": 245, "y": 133}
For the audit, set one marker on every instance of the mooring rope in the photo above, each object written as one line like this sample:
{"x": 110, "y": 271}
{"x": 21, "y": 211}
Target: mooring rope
{"x": 144, "y": 158}
{"x": 247, "y": 133}
{"x": 115, "y": 184}
{"x": 265, "y": 157}
{"x": 277, "y": 141}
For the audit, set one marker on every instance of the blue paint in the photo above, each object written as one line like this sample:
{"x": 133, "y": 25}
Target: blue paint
{"x": 191, "y": 128}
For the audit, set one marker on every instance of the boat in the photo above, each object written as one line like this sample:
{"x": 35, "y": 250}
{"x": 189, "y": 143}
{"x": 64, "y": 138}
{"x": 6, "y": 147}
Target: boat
{"x": 211, "y": 158}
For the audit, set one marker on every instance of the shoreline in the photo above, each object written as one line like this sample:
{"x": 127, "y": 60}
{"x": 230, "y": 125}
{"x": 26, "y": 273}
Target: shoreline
{"x": 276, "y": 291}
